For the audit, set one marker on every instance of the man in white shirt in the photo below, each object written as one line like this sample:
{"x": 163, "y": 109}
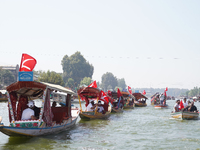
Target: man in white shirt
{"x": 91, "y": 106}
{"x": 185, "y": 104}
{"x": 100, "y": 108}
{"x": 176, "y": 106}
{"x": 28, "y": 113}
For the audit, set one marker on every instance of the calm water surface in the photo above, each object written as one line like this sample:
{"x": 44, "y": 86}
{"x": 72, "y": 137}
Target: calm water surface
{"x": 140, "y": 128}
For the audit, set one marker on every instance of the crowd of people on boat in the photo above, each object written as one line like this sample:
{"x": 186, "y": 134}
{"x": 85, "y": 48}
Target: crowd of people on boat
{"x": 185, "y": 106}
{"x": 92, "y": 107}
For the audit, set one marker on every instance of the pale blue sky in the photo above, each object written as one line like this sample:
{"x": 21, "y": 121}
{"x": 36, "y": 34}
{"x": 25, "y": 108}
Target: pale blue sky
{"x": 149, "y": 43}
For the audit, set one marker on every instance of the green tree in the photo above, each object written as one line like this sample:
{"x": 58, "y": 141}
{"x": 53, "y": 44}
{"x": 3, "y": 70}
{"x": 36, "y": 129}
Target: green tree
{"x": 108, "y": 79}
{"x": 6, "y": 77}
{"x": 121, "y": 83}
{"x": 86, "y": 81}
{"x": 70, "y": 83}
{"x": 51, "y": 77}
{"x": 76, "y": 67}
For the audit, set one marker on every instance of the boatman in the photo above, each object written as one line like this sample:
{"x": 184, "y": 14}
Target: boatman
{"x": 28, "y": 113}
{"x": 176, "y": 106}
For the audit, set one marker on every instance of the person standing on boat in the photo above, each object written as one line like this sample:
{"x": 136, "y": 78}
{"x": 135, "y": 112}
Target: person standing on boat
{"x": 176, "y": 106}
{"x": 91, "y": 106}
{"x": 185, "y": 104}
{"x": 192, "y": 108}
{"x": 28, "y": 113}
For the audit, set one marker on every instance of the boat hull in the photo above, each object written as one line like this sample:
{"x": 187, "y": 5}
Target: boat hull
{"x": 160, "y": 106}
{"x": 92, "y": 115}
{"x": 129, "y": 106}
{"x": 185, "y": 115}
{"x": 42, "y": 130}
{"x": 114, "y": 110}
{"x": 140, "y": 104}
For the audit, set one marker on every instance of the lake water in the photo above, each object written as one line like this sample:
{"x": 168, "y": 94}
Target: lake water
{"x": 140, "y": 128}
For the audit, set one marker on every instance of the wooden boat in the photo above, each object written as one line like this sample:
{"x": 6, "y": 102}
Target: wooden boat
{"x": 3, "y": 97}
{"x": 160, "y": 106}
{"x": 115, "y": 108}
{"x": 128, "y": 100}
{"x": 51, "y": 119}
{"x": 88, "y": 94}
{"x": 140, "y": 100}
{"x": 185, "y": 115}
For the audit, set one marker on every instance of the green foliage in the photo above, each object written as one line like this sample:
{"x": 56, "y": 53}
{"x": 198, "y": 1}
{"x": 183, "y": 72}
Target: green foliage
{"x": 6, "y": 77}
{"x": 121, "y": 83}
{"x": 194, "y": 92}
{"x": 51, "y": 77}
{"x": 70, "y": 83}
{"x": 86, "y": 81}
{"x": 108, "y": 79}
{"x": 76, "y": 67}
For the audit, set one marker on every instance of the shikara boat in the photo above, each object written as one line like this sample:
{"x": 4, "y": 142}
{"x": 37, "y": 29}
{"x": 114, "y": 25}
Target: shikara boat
{"x": 128, "y": 100}
{"x": 93, "y": 94}
{"x": 185, "y": 115}
{"x": 159, "y": 106}
{"x": 3, "y": 97}
{"x": 115, "y": 108}
{"x": 140, "y": 100}
{"x": 51, "y": 119}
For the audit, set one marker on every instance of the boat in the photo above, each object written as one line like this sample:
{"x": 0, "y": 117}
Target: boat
{"x": 115, "y": 102}
{"x": 3, "y": 97}
{"x": 51, "y": 119}
{"x": 128, "y": 100}
{"x": 185, "y": 115}
{"x": 160, "y": 102}
{"x": 140, "y": 100}
{"x": 89, "y": 94}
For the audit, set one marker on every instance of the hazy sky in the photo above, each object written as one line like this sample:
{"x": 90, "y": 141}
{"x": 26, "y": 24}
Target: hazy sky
{"x": 149, "y": 43}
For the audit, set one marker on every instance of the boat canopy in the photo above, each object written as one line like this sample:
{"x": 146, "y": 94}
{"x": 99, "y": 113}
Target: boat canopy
{"x": 139, "y": 96}
{"x": 89, "y": 92}
{"x": 35, "y": 89}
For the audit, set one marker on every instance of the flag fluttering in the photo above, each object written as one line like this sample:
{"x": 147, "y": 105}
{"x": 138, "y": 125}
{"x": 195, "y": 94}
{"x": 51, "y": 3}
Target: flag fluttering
{"x": 181, "y": 106}
{"x": 166, "y": 89}
{"x": 103, "y": 97}
{"x": 129, "y": 90}
{"x": 119, "y": 94}
{"x": 93, "y": 84}
{"x": 144, "y": 92}
{"x": 27, "y": 63}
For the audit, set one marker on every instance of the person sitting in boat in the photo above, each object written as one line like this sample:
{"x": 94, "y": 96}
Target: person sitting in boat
{"x": 36, "y": 110}
{"x": 54, "y": 104}
{"x": 192, "y": 108}
{"x": 91, "y": 106}
{"x": 28, "y": 113}
{"x": 100, "y": 108}
{"x": 176, "y": 106}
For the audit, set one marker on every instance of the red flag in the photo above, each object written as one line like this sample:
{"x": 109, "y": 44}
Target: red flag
{"x": 144, "y": 92}
{"x": 93, "y": 84}
{"x": 181, "y": 105}
{"x": 103, "y": 97}
{"x": 166, "y": 89}
{"x": 27, "y": 63}
{"x": 118, "y": 93}
{"x": 129, "y": 90}
{"x": 165, "y": 93}
{"x": 109, "y": 93}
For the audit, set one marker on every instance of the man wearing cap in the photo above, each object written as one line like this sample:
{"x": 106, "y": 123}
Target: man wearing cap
{"x": 28, "y": 113}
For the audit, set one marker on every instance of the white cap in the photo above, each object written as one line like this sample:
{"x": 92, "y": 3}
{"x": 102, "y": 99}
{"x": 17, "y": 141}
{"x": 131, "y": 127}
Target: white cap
{"x": 30, "y": 104}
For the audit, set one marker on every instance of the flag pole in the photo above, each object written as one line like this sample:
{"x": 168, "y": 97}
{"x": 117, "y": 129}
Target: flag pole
{"x": 80, "y": 103}
{"x": 96, "y": 106}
